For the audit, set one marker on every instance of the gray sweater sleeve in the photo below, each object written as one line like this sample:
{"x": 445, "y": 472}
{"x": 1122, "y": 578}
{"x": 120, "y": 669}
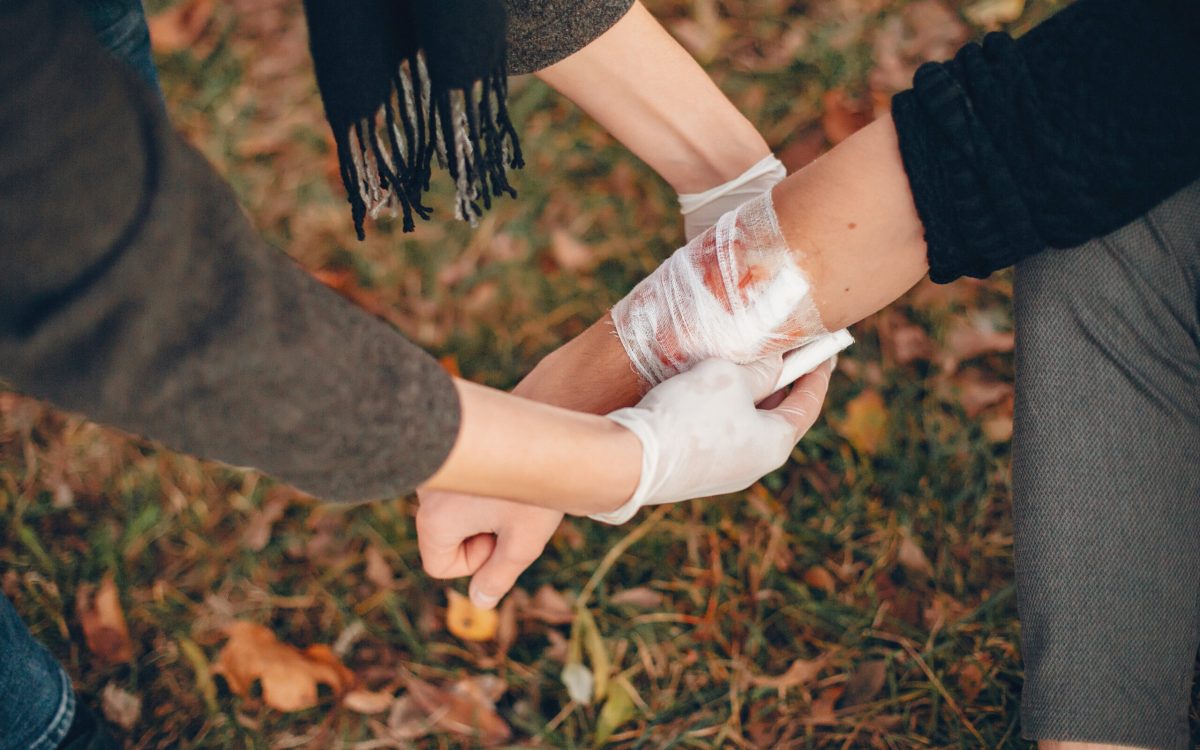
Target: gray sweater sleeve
{"x": 134, "y": 290}
{"x": 542, "y": 32}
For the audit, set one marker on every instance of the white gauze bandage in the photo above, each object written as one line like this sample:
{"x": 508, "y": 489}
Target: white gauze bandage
{"x": 735, "y": 292}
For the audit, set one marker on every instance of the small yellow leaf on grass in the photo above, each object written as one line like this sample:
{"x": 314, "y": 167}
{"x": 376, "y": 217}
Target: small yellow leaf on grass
{"x": 467, "y": 621}
{"x": 866, "y": 422}
{"x": 288, "y": 675}
{"x": 103, "y": 622}
{"x": 618, "y": 709}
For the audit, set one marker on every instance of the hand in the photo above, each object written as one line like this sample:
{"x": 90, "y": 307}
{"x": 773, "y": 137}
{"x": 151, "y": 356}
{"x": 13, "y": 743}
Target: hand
{"x": 702, "y": 434}
{"x": 491, "y": 540}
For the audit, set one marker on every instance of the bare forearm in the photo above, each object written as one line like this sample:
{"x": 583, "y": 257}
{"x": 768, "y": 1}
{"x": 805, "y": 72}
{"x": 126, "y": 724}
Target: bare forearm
{"x": 513, "y": 448}
{"x": 646, "y": 90}
{"x": 850, "y": 219}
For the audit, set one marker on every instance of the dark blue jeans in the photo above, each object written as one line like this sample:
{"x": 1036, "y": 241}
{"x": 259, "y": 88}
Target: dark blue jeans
{"x": 37, "y": 702}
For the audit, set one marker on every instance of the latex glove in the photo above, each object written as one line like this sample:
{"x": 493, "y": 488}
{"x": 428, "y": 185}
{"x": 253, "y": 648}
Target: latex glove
{"x": 702, "y": 434}
{"x": 701, "y": 210}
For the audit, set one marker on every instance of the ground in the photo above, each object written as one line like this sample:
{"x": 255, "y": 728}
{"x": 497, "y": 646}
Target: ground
{"x": 860, "y": 597}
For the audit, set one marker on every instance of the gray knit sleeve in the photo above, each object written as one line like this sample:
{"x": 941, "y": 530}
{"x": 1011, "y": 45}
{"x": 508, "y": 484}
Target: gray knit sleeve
{"x": 133, "y": 289}
{"x": 542, "y": 32}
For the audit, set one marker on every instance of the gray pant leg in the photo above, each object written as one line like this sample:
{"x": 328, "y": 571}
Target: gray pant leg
{"x": 1106, "y": 481}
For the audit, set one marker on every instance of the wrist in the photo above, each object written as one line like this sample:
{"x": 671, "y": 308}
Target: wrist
{"x": 590, "y": 373}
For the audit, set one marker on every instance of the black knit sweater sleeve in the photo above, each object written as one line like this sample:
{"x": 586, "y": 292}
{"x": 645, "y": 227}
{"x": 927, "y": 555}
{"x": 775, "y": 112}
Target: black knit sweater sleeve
{"x": 1065, "y": 134}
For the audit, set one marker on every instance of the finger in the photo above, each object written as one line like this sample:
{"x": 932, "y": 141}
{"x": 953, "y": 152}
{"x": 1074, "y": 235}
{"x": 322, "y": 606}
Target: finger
{"x": 760, "y": 376}
{"x": 802, "y": 405}
{"x": 477, "y": 550}
{"x": 441, "y": 540}
{"x": 513, "y": 554}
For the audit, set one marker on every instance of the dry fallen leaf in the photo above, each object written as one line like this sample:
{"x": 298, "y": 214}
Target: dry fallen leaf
{"x": 120, "y": 706}
{"x": 639, "y": 596}
{"x": 970, "y": 681}
{"x": 378, "y": 571}
{"x": 911, "y": 557}
{"x": 569, "y": 253}
{"x": 550, "y": 606}
{"x": 618, "y": 709}
{"x": 368, "y": 701}
{"x": 864, "y": 684}
{"x": 844, "y": 115}
{"x": 467, "y": 710}
{"x": 288, "y": 675}
{"x": 819, "y": 577}
{"x": 179, "y": 26}
{"x": 467, "y": 621}
{"x": 970, "y": 338}
{"x": 258, "y": 529}
{"x": 866, "y": 422}
{"x": 103, "y": 621}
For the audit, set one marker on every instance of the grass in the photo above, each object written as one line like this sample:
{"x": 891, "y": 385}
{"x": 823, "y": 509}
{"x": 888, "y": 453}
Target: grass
{"x": 918, "y": 649}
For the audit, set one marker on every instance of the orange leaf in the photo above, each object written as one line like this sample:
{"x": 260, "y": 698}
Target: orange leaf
{"x": 866, "y": 422}
{"x": 103, "y": 622}
{"x": 802, "y": 672}
{"x": 178, "y": 27}
{"x": 288, "y": 675}
{"x": 912, "y": 558}
{"x": 467, "y": 621}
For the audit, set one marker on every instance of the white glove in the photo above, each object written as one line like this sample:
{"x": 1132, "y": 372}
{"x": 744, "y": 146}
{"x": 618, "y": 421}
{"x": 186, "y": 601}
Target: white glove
{"x": 701, "y": 210}
{"x": 702, "y": 434}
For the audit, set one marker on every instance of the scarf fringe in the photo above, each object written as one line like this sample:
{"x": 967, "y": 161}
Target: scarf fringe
{"x": 386, "y": 159}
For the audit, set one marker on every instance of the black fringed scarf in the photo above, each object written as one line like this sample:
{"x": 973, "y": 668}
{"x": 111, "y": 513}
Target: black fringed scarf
{"x": 407, "y": 81}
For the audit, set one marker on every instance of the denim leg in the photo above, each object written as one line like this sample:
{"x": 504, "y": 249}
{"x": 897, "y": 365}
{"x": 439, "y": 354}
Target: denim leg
{"x": 37, "y": 702}
{"x": 121, "y": 27}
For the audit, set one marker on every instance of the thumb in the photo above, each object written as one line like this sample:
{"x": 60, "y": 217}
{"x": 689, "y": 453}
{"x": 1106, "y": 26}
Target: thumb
{"x": 512, "y": 555}
{"x": 761, "y": 375}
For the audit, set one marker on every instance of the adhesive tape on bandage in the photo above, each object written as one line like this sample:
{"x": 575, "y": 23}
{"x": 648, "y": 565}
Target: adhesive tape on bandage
{"x": 735, "y": 292}
{"x": 799, "y": 362}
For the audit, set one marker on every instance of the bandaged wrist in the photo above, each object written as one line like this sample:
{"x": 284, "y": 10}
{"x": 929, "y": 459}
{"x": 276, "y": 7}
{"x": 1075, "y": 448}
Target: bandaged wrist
{"x": 736, "y": 292}
{"x": 702, "y": 210}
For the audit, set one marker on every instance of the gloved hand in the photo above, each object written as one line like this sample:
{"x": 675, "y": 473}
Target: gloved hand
{"x": 701, "y": 210}
{"x": 702, "y": 434}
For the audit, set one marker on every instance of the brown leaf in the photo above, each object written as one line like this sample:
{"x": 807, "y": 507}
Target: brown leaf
{"x": 119, "y": 706}
{"x": 912, "y": 558}
{"x": 550, "y": 606}
{"x": 998, "y": 428}
{"x": 968, "y": 339}
{"x": 864, "y": 684}
{"x": 103, "y": 622}
{"x": 903, "y": 342}
{"x": 925, "y": 30}
{"x": 258, "y": 529}
{"x": 467, "y": 711}
{"x": 569, "y": 253}
{"x": 288, "y": 675}
{"x": 844, "y": 115}
{"x": 970, "y": 681}
{"x": 639, "y": 596}
{"x": 866, "y": 422}
{"x": 819, "y": 577}
{"x": 507, "y": 629}
{"x": 977, "y": 394}
{"x": 378, "y": 571}
{"x": 178, "y": 27}
{"x": 368, "y": 701}
{"x": 467, "y": 621}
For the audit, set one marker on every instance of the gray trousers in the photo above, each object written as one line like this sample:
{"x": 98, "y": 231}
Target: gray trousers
{"x": 1106, "y": 481}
